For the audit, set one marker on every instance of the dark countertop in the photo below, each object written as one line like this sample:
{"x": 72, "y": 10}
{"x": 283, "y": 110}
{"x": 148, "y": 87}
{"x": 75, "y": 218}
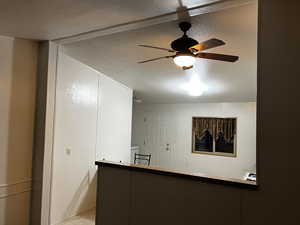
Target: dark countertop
{"x": 197, "y": 176}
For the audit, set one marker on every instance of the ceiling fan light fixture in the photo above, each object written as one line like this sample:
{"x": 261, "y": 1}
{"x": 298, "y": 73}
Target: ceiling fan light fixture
{"x": 187, "y": 50}
{"x": 184, "y": 60}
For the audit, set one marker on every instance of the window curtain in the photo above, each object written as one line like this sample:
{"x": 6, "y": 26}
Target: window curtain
{"x": 215, "y": 125}
{"x": 200, "y": 125}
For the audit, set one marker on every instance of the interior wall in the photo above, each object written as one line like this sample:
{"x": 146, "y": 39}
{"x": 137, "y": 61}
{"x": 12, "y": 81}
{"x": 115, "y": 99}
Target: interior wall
{"x": 18, "y": 63}
{"x": 115, "y": 121}
{"x": 156, "y": 125}
{"x": 91, "y": 112}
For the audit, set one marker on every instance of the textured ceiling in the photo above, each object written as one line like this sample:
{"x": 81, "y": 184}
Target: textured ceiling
{"x": 161, "y": 81}
{"x": 52, "y": 19}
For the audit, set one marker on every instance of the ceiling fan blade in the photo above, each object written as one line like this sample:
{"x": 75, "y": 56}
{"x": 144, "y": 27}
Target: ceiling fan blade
{"x": 211, "y": 43}
{"x": 214, "y": 56}
{"x": 159, "y": 48}
{"x": 163, "y": 57}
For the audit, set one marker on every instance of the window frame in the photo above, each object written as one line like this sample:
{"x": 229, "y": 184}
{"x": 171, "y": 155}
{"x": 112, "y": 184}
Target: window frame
{"x": 233, "y": 155}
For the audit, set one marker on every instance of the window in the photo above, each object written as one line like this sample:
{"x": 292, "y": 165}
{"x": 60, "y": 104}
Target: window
{"x": 214, "y": 136}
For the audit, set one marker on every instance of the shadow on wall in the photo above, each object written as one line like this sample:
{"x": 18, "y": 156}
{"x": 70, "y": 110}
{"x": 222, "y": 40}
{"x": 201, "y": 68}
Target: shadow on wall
{"x": 81, "y": 201}
{"x": 20, "y": 85}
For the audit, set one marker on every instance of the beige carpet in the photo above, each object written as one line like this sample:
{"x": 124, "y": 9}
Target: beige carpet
{"x": 87, "y": 218}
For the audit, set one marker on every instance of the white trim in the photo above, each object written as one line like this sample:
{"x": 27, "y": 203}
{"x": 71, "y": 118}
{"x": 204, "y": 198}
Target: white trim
{"x": 52, "y": 88}
{"x": 137, "y": 24}
{"x": 15, "y": 193}
{"x": 7, "y": 37}
{"x": 15, "y": 183}
{"x": 15, "y": 188}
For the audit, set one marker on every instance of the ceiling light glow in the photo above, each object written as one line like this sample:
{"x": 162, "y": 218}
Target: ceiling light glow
{"x": 194, "y": 87}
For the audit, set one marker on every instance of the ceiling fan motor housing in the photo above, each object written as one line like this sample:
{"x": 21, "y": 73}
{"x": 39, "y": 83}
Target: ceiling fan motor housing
{"x": 183, "y": 43}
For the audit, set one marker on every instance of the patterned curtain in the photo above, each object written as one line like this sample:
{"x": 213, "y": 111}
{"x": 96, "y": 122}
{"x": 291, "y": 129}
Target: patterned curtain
{"x": 202, "y": 124}
{"x": 227, "y": 127}
{"x": 215, "y": 125}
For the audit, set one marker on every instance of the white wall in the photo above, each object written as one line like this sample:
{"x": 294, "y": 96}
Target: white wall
{"x": 115, "y": 114}
{"x": 172, "y": 123}
{"x": 92, "y": 112}
{"x": 18, "y": 63}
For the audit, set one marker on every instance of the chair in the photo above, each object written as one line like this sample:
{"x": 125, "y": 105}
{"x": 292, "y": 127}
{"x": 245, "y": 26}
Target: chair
{"x": 143, "y": 157}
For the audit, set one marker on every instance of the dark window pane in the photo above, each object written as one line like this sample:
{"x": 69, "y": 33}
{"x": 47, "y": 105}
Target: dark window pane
{"x": 204, "y": 143}
{"x": 224, "y": 145}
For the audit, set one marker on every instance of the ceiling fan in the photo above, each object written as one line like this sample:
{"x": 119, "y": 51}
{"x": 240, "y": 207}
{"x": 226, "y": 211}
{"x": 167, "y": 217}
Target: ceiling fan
{"x": 187, "y": 50}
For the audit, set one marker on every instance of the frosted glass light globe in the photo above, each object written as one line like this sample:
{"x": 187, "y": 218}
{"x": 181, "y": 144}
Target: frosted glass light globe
{"x": 184, "y": 60}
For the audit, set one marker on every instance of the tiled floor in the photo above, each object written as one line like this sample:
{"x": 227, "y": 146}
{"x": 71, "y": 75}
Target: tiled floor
{"x": 87, "y": 218}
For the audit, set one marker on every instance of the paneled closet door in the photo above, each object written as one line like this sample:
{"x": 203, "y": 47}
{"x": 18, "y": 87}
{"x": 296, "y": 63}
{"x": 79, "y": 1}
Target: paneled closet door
{"x": 158, "y": 139}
